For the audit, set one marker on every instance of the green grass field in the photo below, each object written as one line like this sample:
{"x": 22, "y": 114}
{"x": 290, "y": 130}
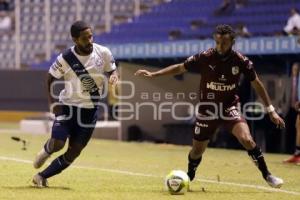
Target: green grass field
{"x": 119, "y": 170}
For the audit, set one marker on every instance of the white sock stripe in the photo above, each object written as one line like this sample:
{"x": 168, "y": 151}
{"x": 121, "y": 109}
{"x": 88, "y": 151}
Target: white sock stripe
{"x": 58, "y": 159}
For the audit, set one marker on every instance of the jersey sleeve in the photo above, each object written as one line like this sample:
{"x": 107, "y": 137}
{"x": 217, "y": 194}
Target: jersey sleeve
{"x": 248, "y": 69}
{"x": 110, "y": 64}
{"x": 195, "y": 62}
{"x": 59, "y": 67}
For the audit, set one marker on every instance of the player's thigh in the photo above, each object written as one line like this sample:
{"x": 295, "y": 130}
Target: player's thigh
{"x": 55, "y": 145}
{"x": 62, "y": 124}
{"x": 85, "y": 125}
{"x": 199, "y": 147}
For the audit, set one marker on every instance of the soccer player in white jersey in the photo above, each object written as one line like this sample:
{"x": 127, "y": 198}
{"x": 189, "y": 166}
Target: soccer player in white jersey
{"x": 82, "y": 67}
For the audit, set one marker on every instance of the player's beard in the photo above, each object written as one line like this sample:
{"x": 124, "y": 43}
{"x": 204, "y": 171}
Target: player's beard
{"x": 225, "y": 54}
{"x": 88, "y": 49}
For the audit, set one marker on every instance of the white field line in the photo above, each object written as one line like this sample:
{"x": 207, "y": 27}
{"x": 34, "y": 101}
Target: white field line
{"x": 259, "y": 187}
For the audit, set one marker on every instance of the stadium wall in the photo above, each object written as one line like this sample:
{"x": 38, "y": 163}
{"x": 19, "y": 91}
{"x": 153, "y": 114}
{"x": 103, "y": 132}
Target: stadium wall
{"x": 23, "y": 90}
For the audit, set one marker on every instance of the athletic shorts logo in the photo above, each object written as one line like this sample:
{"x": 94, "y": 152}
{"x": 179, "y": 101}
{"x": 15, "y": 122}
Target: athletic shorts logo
{"x": 197, "y": 130}
{"x": 199, "y": 126}
{"x": 61, "y": 117}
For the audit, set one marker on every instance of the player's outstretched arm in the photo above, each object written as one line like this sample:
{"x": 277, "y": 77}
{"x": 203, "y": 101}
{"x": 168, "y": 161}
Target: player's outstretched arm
{"x": 171, "y": 70}
{"x": 261, "y": 91}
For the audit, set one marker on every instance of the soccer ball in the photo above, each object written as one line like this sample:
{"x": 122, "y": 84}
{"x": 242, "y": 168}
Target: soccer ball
{"x": 177, "y": 182}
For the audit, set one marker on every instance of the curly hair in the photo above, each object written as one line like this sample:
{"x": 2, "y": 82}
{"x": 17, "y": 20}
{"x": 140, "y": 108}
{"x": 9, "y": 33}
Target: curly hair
{"x": 77, "y": 27}
{"x": 223, "y": 29}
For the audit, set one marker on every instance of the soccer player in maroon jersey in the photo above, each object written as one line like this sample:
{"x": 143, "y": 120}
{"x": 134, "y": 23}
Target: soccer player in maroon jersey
{"x": 220, "y": 70}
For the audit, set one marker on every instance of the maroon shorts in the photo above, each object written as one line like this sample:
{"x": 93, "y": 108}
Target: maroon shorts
{"x": 207, "y": 125}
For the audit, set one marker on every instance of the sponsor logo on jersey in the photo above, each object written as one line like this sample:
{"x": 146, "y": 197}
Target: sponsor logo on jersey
{"x": 202, "y": 125}
{"x": 76, "y": 66}
{"x": 98, "y": 60}
{"x": 57, "y": 66}
{"x": 220, "y": 86}
{"x": 78, "y": 69}
{"x": 235, "y": 70}
{"x": 222, "y": 78}
{"x": 88, "y": 84}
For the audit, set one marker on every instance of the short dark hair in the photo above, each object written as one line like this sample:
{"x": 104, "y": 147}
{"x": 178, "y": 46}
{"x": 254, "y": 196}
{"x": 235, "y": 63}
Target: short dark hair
{"x": 223, "y": 29}
{"x": 77, "y": 27}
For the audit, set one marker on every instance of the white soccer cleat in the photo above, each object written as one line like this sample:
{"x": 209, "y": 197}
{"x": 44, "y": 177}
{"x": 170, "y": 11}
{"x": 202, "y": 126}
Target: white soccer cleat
{"x": 274, "y": 181}
{"x": 39, "y": 181}
{"x": 40, "y": 158}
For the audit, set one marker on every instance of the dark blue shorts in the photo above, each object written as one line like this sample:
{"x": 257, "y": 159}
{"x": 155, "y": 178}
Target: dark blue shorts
{"x": 76, "y": 123}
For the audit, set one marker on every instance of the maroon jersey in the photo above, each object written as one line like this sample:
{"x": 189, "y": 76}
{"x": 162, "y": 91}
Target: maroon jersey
{"x": 220, "y": 75}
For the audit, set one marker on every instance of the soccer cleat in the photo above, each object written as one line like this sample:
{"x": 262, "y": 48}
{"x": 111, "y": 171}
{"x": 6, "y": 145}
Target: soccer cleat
{"x": 39, "y": 181}
{"x": 274, "y": 181}
{"x": 40, "y": 159}
{"x": 294, "y": 159}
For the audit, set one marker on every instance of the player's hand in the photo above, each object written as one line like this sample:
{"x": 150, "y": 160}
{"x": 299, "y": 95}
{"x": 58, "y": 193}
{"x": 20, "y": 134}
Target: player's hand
{"x": 113, "y": 79}
{"x": 276, "y": 119}
{"x": 142, "y": 72}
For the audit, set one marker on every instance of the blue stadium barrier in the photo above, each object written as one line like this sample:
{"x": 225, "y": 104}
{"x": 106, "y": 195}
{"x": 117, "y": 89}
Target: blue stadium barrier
{"x": 251, "y": 46}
